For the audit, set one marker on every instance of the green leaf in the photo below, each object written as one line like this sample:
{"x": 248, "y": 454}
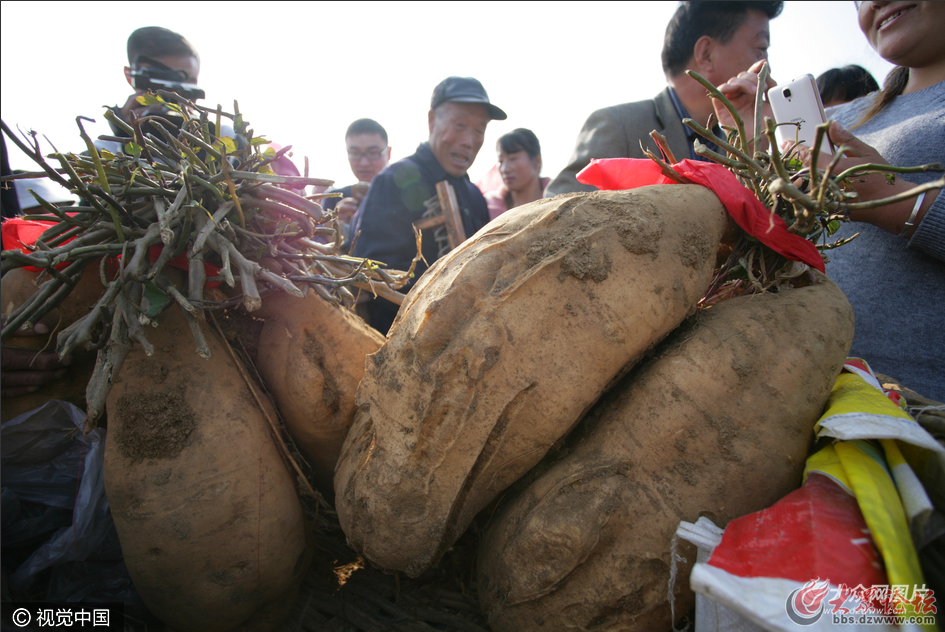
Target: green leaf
{"x": 269, "y": 152}
{"x": 229, "y": 143}
{"x": 832, "y": 227}
{"x": 133, "y": 149}
{"x": 259, "y": 140}
{"x": 106, "y": 155}
{"x": 149, "y": 99}
{"x": 157, "y": 298}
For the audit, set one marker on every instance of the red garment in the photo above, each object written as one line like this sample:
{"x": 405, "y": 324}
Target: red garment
{"x": 610, "y": 174}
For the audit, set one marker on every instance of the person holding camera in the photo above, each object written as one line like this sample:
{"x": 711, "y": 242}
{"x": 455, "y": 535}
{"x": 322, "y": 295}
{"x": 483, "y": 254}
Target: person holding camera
{"x": 158, "y": 59}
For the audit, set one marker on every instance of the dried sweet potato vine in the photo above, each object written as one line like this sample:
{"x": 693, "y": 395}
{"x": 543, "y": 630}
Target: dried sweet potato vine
{"x": 179, "y": 195}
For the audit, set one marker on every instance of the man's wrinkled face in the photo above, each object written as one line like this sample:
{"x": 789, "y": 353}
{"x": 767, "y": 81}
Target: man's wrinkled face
{"x": 457, "y": 131}
{"x": 368, "y": 154}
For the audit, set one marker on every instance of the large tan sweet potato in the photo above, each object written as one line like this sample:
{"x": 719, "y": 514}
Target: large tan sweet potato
{"x": 501, "y": 347}
{"x": 206, "y": 510}
{"x": 718, "y": 424}
{"x": 312, "y": 354}
{"x": 16, "y": 287}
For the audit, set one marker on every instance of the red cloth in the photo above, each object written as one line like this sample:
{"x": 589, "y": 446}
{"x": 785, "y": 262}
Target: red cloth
{"x": 611, "y": 174}
{"x": 19, "y": 233}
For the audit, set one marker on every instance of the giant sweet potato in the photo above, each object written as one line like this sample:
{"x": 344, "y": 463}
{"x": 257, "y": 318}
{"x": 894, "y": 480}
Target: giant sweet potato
{"x": 311, "y": 355}
{"x": 718, "y": 424}
{"x": 501, "y": 347}
{"x": 16, "y": 287}
{"x": 210, "y": 524}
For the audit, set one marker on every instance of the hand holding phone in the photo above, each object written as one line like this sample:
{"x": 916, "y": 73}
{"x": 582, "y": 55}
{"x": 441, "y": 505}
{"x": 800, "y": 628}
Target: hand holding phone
{"x": 798, "y": 102}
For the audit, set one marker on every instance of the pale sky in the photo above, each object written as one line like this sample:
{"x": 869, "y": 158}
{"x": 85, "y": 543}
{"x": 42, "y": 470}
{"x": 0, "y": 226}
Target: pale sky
{"x": 303, "y": 71}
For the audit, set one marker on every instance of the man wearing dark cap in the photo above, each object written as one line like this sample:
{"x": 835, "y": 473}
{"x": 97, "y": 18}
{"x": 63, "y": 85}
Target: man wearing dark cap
{"x": 400, "y": 194}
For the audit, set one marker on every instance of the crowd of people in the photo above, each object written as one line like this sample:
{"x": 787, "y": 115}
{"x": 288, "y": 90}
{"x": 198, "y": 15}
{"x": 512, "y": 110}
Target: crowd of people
{"x": 890, "y": 272}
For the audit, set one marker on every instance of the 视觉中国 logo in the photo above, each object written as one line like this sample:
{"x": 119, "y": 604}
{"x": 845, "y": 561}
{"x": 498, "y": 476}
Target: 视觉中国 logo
{"x": 805, "y": 605}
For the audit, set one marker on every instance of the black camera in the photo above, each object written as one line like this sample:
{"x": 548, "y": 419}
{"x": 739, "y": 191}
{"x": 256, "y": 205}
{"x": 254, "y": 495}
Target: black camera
{"x": 157, "y": 76}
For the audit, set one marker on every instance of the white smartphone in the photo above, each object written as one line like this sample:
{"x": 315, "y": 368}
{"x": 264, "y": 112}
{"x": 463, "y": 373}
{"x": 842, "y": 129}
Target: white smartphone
{"x": 798, "y": 102}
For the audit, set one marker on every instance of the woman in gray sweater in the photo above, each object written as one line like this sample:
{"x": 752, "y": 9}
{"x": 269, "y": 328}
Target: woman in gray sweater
{"x": 894, "y": 272}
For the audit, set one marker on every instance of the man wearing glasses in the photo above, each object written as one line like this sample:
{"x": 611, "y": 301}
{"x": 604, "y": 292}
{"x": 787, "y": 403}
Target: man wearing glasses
{"x": 368, "y": 154}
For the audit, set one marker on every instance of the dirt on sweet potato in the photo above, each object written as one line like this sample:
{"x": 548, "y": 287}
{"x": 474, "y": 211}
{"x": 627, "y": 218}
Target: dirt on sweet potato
{"x": 210, "y": 523}
{"x": 501, "y": 347}
{"x": 716, "y": 424}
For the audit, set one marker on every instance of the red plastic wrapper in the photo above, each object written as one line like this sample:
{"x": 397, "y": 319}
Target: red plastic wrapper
{"x": 613, "y": 174}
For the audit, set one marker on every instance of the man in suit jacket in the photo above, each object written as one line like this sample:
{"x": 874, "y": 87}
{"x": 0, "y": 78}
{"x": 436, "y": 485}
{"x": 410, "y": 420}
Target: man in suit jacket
{"x": 718, "y": 40}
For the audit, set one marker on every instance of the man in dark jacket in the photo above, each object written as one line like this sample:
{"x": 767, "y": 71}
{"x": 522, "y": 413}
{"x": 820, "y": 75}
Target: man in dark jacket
{"x": 368, "y": 154}
{"x": 459, "y": 112}
{"x": 715, "y": 39}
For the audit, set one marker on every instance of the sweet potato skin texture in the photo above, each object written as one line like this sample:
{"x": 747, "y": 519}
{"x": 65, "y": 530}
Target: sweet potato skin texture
{"x": 16, "y": 287}
{"x": 717, "y": 424}
{"x": 312, "y": 355}
{"x": 501, "y": 347}
{"x": 210, "y": 524}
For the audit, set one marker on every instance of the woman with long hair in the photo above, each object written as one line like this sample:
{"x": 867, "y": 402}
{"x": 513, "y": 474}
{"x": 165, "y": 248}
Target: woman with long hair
{"x": 893, "y": 273}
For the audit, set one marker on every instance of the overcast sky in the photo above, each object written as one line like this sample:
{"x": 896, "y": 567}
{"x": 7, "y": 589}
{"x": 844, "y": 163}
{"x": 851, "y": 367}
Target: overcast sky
{"x": 303, "y": 71}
